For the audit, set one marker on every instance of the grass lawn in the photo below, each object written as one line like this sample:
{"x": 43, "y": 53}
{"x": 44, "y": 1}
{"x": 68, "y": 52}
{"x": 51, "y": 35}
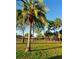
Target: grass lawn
{"x": 40, "y": 49}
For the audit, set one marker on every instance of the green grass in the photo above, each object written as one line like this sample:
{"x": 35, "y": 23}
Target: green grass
{"x": 40, "y": 49}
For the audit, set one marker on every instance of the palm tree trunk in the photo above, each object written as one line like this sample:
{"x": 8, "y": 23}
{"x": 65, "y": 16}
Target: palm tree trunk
{"x": 33, "y": 30}
{"x": 23, "y": 35}
{"x": 29, "y": 39}
{"x": 23, "y": 31}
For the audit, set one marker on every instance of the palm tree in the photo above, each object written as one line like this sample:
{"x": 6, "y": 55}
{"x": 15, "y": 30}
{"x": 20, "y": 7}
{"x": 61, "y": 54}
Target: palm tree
{"x": 53, "y": 25}
{"x": 19, "y": 22}
{"x": 33, "y": 11}
{"x": 57, "y": 23}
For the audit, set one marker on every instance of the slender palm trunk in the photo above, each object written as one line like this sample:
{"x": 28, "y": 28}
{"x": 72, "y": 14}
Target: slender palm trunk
{"x": 29, "y": 39}
{"x": 23, "y": 30}
{"x": 23, "y": 35}
{"x": 33, "y": 30}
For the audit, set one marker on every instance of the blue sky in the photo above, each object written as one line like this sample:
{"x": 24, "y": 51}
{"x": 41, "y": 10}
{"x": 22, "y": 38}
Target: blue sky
{"x": 55, "y": 9}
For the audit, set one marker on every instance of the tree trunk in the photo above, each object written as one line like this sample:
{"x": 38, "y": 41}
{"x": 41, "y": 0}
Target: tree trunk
{"x": 29, "y": 39}
{"x": 23, "y": 35}
{"x": 33, "y": 30}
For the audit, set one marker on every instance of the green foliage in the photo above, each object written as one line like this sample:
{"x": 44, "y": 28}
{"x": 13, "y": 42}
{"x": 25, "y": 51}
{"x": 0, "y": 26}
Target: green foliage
{"x": 48, "y": 33}
{"x": 32, "y": 11}
{"x": 57, "y": 22}
{"x": 36, "y": 13}
{"x": 19, "y": 54}
{"x": 40, "y": 0}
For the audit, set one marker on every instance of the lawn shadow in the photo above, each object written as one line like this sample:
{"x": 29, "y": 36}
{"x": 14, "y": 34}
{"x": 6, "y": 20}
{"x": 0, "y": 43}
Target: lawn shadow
{"x": 46, "y": 48}
{"x": 56, "y": 57}
{"x": 37, "y": 43}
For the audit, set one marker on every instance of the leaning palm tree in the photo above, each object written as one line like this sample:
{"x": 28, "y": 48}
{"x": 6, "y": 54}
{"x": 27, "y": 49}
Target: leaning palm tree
{"x": 33, "y": 11}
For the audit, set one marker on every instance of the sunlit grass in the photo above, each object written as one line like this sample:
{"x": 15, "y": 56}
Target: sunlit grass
{"x": 40, "y": 49}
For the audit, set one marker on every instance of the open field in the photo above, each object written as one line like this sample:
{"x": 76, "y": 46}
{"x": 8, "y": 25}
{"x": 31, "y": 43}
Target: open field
{"x": 40, "y": 49}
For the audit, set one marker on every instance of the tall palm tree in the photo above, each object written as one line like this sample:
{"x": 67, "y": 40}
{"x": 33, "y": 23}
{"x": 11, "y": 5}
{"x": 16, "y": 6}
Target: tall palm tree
{"x": 19, "y": 22}
{"x": 33, "y": 11}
